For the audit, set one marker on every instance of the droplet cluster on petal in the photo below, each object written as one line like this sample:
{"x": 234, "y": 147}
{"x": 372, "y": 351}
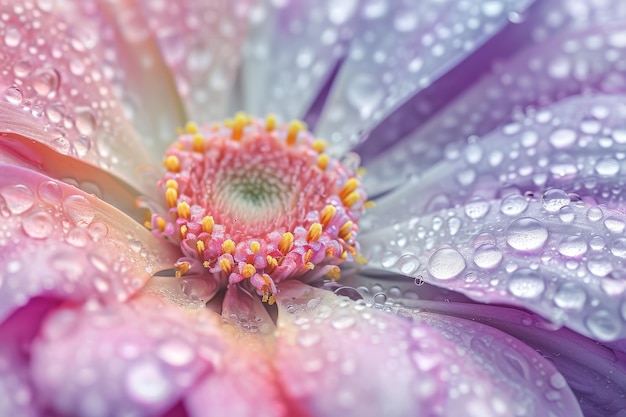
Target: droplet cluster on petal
{"x": 257, "y": 201}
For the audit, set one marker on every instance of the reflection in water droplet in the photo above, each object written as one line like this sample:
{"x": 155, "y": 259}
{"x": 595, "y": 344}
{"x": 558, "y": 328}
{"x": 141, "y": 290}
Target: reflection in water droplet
{"x": 50, "y": 192}
{"x": 487, "y": 256}
{"x": 79, "y": 210}
{"x": 477, "y": 208}
{"x": 408, "y": 264}
{"x": 18, "y": 198}
{"x": 526, "y": 234}
{"x": 446, "y": 263}
{"x": 572, "y": 246}
{"x": 38, "y": 225}
{"x": 554, "y": 200}
{"x": 513, "y": 205}
{"x": 45, "y": 82}
{"x": 526, "y": 283}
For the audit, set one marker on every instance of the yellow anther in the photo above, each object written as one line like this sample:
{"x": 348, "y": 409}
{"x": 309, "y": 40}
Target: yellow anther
{"x": 272, "y": 263}
{"x": 360, "y": 259}
{"x": 327, "y": 214}
{"x": 330, "y": 252}
{"x": 351, "y": 199}
{"x": 270, "y": 122}
{"x": 198, "y": 143}
{"x": 207, "y": 224}
{"x": 334, "y": 273}
{"x": 183, "y": 231}
{"x": 310, "y": 266}
{"x": 285, "y": 243}
{"x": 361, "y": 171}
{"x": 171, "y": 163}
{"x": 228, "y": 246}
{"x": 315, "y": 231}
{"x": 319, "y": 145}
{"x": 206, "y": 264}
{"x": 160, "y": 223}
{"x": 171, "y": 184}
{"x": 369, "y": 204}
{"x": 307, "y": 256}
{"x": 238, "y": 126}
{"x": 226, "y": 266}
{"x": 183, "y": 210}
{"x": 346, "y": 230}
{"x": 322, "y": 161}
{"x": 349, "y": 187}
{"x": 344, "y": 255}
{"x": 183, "y": 268}
{"x": 248, "y": 270}
{"x": 201, "y": 247}
{"x": 255, "y": 246}
{"x": 292, "y": 133}
{"x": 171, "y": 197}
{"x": 271, "y": 300}
{"x": 191, "y": 128}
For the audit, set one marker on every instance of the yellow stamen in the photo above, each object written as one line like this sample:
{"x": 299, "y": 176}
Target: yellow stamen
{"x": 322, "y": 161}
{"x": 330, "y": 252}
{"x": 228, "y": 246}
{"x": 226, "y": 266}
{"x": 361, "y": 171}
{"x": 183, "y": 268}
{"x": 191, "y": 128}
{"x": 307, "y": 256}
{"x": 349, "y": 187}
{"x": 346, "y": 230}
{"x": 160, "y": 222}
{"x": 286, "y": 242}
{"x": 310, "y": 266}
{"x": 319, "y": 145}
{"x": 200, "y": 246}
{"x": 198, "y": 143}
{"x": 171, "y": 184}
{"x": 171, "y": 196}
{"x": 183, "y": 231}
{"x": 369, "y": 204}
{"x": 272, "y": 263}
{"x": 292, "y": 133}
{"x": 238, "y": 126}
{"x": 270, "y": 122}
{"x": 248, "y": 270}
{"x": 360, "y": 259}
{"x": 207, "y": 224}
{"x": 255, "y": 246}
{"x": 327, "y": 214}
{"x": 334, "y": 273}
{"x": 351, "y": 199}
{"x": 171, "y": 163}
{"x": 315, "y": 231}
{"x": 183, "y": 210}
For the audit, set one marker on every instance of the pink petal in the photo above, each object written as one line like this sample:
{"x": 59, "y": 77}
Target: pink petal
{"x": 54, "y": 236}
{"x": 57, "y": 93}
{"x": 135, "y": 359}
{"x": 200, "y": 41}
{"x": 337, "y": 357}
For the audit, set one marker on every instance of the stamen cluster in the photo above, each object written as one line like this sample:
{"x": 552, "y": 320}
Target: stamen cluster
{"x": 253, "y": 201}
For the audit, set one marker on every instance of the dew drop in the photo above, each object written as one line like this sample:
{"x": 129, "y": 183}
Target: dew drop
{"x": 343, "y": 322}
{"x": 594, "y": 214}
{"x": 599, "y": 266}
{"x": 12, "y": 36}
{"x": 97, "y": 231}
{"x": 18, "y": 198}
{"x": 526, "y": 283}
{"x": 603, "y": 325}
{"x": 566, "y": 214}
{"x": 13, "y": 95}
{"x": 572, "y": 246}
{"x": 79, "y": 210}
{"x": 526, "y": 234}
{"x": 175, "y": 352}
{"x": 563, "y": 138}
{"x": 554, "y": 200}
{"x": 85, "y": 121}
{"x": 339, "y": 12}
{"x": 477, "y": 208}
{"x": 38, "y": 225}
{"x": 197, "y": 289}
{"x": 487, "y": 256}
{"x": 146, "y": 383}
{"x": 607, "y": 167}
{"x": 408, "y": 264}
{"x": 77, "y": 237}
{"x": 570, "y": 296}
{"x": 50, "y": 192}
{"x": 45, "y": 82}
{"x": 446, "y": 263}
{"x": 492, "y": 8}
{"x": 513, "y": 205}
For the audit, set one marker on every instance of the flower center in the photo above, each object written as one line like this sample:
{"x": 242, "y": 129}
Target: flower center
{"x": 251, "y": 201}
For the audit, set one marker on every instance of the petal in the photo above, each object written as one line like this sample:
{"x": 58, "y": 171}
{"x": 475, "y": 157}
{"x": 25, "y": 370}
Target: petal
{"x": 337, "y": 357}
{"x": 48, "y": 100}
{"x": 398, "y": 51}
{"x": 200, "y": 41}
{"x": 60, "y": 242}
{"x": 137, "y": 359}
{"x": 583, "y": 56}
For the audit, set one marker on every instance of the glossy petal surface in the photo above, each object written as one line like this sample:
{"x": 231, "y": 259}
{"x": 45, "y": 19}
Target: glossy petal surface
{"x": 57, "y": 241}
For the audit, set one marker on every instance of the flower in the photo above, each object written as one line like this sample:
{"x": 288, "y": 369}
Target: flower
{"x": 493, "y": 141}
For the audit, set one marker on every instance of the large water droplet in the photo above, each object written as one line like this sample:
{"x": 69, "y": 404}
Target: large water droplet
{"x": 487, "y": 256}
{"x": 79, "y": 210}
{"x": 19, "y": 198}
{"x": 607, "y": 167}
{"x": 513, "y": 205}
{"x": 603, "y": 325}
{"x": 570, "y": 296}
{"x": 477, "y": 208}
{"x": 572, "y": 246}
{"x": 45, "y": 82}
{"x": 526, "y": 234}
{"x": 198, "y": 289}
{"x": 50, "y": 192}
{"x": 85, "y": 121}
{"x": 408, "y": 264}
{"x": 526, "y": 283}
{"x": 446, "y": 263}
{"x": 554, "y": 200}
{"x": 563, "y": 138}
{"x": 13, "y": 95}
{"x": 38, "y": 225}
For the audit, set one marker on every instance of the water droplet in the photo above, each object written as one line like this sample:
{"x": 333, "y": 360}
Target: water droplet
{"x": 492, "y": 8}
{"x": 405, "y": 21}
{"x": 554, "y": 200}
{"x": 12, "y": 36}
{"x": 19, "y": 198}
{"x": 198, "y": 289}
{"x": 373, "y": 9}
{"x": 557, "y": 380}
{"x": 607, "y": 167}
{"x": 614, "y": 224}
{"x": 563, "y": 138}
{"x": 526, "y": 283}
{"x": 603, "y": 325}
{"x": 46, "y": 5}
{"x": 339, "y": 12}
{"x": 513, "y": 205}
{"x": 570, "y": 296}
{"x": 97, "y": 231}
{"x": 594, "y": 214}
{"x": 38, "y": 225}
{"x": 146, "y": 383}
{"x": 176, "y": 352}
{"x": 13, "y": 95}
{"x": 566, "y": 214}
{"x": 50, "y": 192}
{"x": 45, "y": 82}
{"x": 477, "y": 208}
{"x": 572, "y": 246}
{"x": 408, "y": 264}
{"x": 596, "y": 243}
{"x": 526, "y": 234}
{"x": 99, "y": 262}
{"x": 77, "y": 237}
{"x": 343, "y": 322}
{"x": 487, "y": 256}
{"x": 85, "y": 121}
{"x": 79, "y": 210}
{"x": 308, "y": 338}
{"x": 599, "y": 266}
{"x": 365, "y": 94}
{"x": 446, "y": 263}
